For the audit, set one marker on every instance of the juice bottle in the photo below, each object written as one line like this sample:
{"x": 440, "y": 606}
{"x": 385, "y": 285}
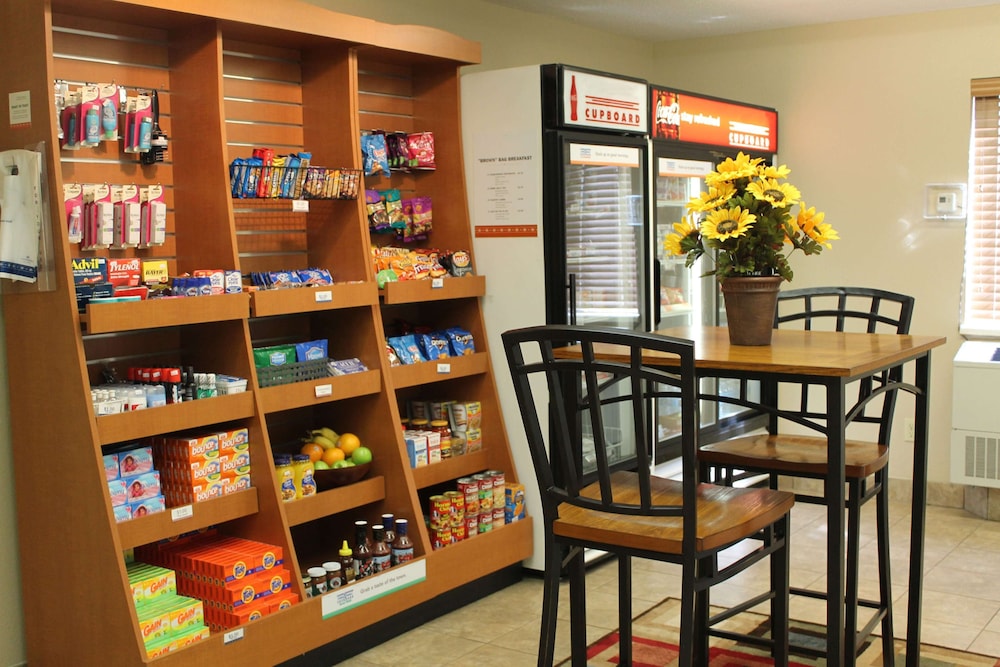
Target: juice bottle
{"x": 402, "y": 547}
{"x": 363, "y": 566}
{"x": 346, "y": 564}
{"x": 285, "y": 476}
{"x": 380, "y": 550}
{"x": 305, "y": 484}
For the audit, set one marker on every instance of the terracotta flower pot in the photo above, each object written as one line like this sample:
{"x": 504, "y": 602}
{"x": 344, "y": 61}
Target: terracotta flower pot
{"x": 750, "y": 306}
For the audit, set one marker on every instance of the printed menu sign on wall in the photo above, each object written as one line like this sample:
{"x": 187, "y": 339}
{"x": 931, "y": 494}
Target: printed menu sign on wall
{"x": 680, "y": 116}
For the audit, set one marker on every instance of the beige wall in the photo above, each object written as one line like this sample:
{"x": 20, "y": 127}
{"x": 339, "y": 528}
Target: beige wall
{"x": 869, "y": 113}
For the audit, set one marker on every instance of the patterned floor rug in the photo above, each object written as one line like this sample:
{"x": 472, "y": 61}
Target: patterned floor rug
{"x": 655, "y": 645}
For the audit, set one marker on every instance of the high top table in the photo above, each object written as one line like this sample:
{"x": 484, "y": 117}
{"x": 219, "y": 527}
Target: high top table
{"x": 832, "y": 360}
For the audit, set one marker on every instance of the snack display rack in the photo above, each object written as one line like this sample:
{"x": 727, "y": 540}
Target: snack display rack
{"x": 230, "y": 75}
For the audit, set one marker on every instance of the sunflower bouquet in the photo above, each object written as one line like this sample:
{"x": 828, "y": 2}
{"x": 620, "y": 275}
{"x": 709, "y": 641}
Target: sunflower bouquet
{"x": 746, "y": 217}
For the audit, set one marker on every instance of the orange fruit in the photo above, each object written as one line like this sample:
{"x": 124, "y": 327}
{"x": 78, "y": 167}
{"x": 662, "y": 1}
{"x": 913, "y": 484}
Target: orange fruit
{"x": 333, "y": 455}
{"x": 348, "y": 443}
{"x": 313, "y": 449}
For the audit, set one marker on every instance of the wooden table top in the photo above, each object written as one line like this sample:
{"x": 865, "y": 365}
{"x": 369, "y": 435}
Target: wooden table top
{"x": 796, "y": 352}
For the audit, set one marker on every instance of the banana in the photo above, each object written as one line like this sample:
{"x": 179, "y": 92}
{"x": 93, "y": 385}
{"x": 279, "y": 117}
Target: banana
{"x": 327, "y": 433}
{"x": 322, "y": 441}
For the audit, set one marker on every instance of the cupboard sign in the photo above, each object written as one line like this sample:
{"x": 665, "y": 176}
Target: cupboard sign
{"x": 604, "y": 102}
{"x": 680, "y": 116}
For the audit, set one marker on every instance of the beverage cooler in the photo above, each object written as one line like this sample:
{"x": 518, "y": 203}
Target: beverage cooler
{"x": 689, "y": 136}
{"x": 557, "y": 162}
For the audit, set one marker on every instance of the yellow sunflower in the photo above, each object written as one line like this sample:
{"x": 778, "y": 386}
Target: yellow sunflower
{"x": 727, "y": 223}
{"x": 812, "y": 225}
{"x": 780, "y": 195}
{"x": 733, "y": 169}
{"x": 775, "y": 172}
{"x": 716, "y": 196}
{"x": 682, "y": 229}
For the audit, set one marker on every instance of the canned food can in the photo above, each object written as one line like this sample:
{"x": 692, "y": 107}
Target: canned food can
{"x": 440, "y": 510}
{"x": 498, "y": 516}
{"x": 441, "y": 537}
{"x": 458, "y": 531}
{"x": 471, "y": 525}
{"x": 469, "y": 487}
{"x": 485, "y": 522}
{"x": 499, "y": 490}
{"x": 457, "y": 499}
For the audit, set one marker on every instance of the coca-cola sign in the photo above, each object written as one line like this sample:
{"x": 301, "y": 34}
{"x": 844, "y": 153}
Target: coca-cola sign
{"x": 680, "y": 116}
{"x": 604, "y": 102}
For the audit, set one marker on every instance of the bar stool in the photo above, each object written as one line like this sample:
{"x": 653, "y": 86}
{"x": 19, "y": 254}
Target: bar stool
{"x": 779, "y": 454}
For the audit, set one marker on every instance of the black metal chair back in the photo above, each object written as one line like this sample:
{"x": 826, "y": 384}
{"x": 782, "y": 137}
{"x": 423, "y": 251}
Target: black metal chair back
{"x": 601, "y": 400}
{"x": 857, "y": 309}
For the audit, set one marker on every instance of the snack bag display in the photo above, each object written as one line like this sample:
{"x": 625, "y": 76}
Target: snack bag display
{"x": 378, "y": 218}
{"x": 421, "y": 150}
{"x": 374, "y": 155}
{"x": 461, "y": 341}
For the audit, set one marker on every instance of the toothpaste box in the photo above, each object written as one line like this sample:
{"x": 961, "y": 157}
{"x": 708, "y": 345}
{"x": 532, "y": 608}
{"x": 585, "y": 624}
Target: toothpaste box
{"x": 119, "y": 495}
{"x": 136, "y": 461}
{"x": 141, "y": 487}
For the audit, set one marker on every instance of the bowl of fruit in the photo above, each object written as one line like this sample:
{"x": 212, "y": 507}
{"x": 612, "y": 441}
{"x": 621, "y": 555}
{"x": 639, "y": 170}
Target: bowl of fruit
{"x": 338, "y": 460}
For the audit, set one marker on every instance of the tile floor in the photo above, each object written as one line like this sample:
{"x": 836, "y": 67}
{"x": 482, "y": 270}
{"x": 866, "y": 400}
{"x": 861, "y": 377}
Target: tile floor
{"x": 961, "y": 595}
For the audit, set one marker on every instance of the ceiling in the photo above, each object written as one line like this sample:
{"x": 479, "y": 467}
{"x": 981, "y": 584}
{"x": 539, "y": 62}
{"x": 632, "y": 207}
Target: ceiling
{"x": 662, "y": 20}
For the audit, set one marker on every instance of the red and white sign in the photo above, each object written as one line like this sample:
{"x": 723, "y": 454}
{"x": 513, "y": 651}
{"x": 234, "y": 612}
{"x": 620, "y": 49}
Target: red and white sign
{"x": 679, "y": 116}
{"x": 592, "y": 100}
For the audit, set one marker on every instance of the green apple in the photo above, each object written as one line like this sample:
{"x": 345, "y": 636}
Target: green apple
{"x": 340, "y": 464}
{"x": 321, "y": 465}
{"x": 361, "y": 456}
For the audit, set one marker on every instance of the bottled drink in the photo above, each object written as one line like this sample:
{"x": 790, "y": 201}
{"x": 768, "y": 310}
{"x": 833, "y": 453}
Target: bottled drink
{"x": 402, "y": 547}
{"x": 346, "y": 564}
{"x": 389, "y": 525}
{"x": 380, "y": 550}
{"x": 363, "y": 566}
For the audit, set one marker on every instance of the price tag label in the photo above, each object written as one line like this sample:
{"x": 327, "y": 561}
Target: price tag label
{"x": 323, "y": 390}
{"x": 300, "y": 205}
{"x": 185, "y": 512}
{"x": 232, "y": 636}
{"x": 444, "y": 368}
{"x": 437, "y": 283}
{"x": 324, "y": 296}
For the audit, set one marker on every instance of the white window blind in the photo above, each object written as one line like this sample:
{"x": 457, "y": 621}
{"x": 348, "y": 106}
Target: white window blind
{"x": 981, "y": 291}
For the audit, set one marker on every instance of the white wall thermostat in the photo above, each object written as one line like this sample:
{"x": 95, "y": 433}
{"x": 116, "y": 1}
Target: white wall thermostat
{"x": 944, "y": 201}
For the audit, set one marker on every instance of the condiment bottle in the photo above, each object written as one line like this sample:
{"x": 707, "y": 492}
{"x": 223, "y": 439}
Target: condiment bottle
{"x": 389, "y": 524}
{"x": 363, "y": 566}
{"x": 381, "y": 556}
{"x": 346, "y": 564}
{"x": 333, "y": 579}
{"x": 285, "y": 476}
{"x": 402, "y": 547}
{"x": 318, "y": 576}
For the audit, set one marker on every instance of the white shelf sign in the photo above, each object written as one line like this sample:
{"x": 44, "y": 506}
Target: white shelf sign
{"x": 323, "y": 390}
{"x": 444, "y": 368}
{"x": 178, "y": 513}
{"x": 324, "y": 296}
{"x": 300, "y": 205}
{"x": 232, "y": 636}
{"x": 361, "y": 592}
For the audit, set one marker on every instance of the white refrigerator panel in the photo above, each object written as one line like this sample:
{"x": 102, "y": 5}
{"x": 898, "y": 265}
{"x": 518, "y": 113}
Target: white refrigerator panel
{"x": 502, "y": 138}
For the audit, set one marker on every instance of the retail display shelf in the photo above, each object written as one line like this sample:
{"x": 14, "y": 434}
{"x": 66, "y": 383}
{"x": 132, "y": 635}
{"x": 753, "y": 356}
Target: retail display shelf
{"x": 449, "y": 469}
{"x": 428, "y": 372}
{"x": 174, "y": 417}
{"x": 310, "y": 299}
{"x": 433, "y": 289}
{"x": 333, "y": 501}
{"x": 178, "y": 520}
{"x": 312, "y": 392}
{"x": 169, "y": 312}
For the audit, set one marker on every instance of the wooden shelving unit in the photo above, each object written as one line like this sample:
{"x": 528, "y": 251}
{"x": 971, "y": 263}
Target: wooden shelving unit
{"x": 233, "y": 74}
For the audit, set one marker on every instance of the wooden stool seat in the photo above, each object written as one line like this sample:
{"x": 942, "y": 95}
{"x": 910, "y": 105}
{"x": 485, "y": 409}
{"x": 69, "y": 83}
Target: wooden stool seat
{"x": 724, "y": 515}
{"x": 803, "y": 456}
